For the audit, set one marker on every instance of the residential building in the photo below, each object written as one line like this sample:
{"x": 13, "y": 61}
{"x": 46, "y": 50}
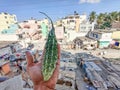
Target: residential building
{"x": 71, "y": 35}
{"x": 6, "y": 20}
{"x": 59, "y": 22}
{"x": 45, "y": 20}
{"x": 83, "y": 17}
{"x": 85, "y": 27}
{"x": 116, "y": 25}
{"x": 59, "y": 32}
{"x": 116, "y": 38}
{"x": 33, "y": 28}
{"x": 72, "y": 22}
{"x": 29, "y": 25}
{"x": 9, "y": 37}
{"x": 12, "y": 29}
{"x": 75, "y": 26}
{"x": 102, "y": 36}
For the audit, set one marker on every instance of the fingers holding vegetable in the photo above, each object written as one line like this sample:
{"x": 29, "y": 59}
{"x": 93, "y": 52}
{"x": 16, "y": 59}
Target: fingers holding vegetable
{"x": 29, "y": 58}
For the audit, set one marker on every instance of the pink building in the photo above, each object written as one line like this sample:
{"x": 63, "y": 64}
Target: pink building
{"x": 30, "y": 25}
{"x": 31, "y": 28}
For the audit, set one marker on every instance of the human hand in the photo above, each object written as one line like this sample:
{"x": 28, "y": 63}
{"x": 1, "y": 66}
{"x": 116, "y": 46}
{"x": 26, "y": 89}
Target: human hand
{"x": 35, "y": 72}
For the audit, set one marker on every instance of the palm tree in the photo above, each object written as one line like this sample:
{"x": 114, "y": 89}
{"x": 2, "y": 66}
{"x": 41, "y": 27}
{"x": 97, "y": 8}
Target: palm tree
{"x": 118, "y": 16}
{"x": 108, "y": 18}
{"x": 92, "y": 16}
{"x": 100, "y": 19}
{"x": 114, "y": 16}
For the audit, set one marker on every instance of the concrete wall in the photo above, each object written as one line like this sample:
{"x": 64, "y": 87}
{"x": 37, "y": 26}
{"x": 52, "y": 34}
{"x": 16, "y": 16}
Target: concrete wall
{"x": 103, "y": 39}
{"x": 106, "y": 37}
{"x": 116, "y": 35}
{"x": 71, "y": 35}
{"x": 8, "y": 37}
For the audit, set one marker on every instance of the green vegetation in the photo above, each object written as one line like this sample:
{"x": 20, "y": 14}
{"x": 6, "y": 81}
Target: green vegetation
{"x": 104, "y": 20}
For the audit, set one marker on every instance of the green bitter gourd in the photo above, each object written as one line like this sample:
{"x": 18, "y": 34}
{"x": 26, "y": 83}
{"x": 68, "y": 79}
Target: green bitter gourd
{"x": 50, "y": 55}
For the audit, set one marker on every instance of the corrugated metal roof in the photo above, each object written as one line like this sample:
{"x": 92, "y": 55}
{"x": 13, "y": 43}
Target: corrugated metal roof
{"x": 92, "y": 65}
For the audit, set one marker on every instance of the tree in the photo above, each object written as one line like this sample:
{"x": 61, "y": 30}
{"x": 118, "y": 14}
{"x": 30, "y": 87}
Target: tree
{"x": 104, "y": 20}
{"x": 108, "y": 18}
{"x": 107, "y": 24}
{"x": 92, "y": 16}
{"x": 114, "y": 16}
{"x": 100, "y": 19}
{"x": 118, "y": 16}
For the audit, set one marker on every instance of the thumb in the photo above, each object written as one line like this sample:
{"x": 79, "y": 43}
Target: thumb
{"x": 29, "y": 58}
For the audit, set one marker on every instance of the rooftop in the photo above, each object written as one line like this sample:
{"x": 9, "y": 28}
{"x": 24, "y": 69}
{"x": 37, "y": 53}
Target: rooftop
{"x": 6, "y": 43}
{"x": 84, "y": 39}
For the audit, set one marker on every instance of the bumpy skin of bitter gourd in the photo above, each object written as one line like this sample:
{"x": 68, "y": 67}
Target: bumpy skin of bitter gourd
{"x": 50, "y": 55}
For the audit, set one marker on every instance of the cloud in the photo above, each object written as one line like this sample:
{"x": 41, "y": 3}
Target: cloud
{"x": 90, "y": 1}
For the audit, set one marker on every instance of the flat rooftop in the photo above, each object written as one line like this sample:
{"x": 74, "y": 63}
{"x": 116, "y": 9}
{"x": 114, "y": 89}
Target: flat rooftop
{"x": 6, "y": 43}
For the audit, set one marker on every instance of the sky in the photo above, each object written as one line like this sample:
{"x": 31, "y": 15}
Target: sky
{"x": 25, "y": 9}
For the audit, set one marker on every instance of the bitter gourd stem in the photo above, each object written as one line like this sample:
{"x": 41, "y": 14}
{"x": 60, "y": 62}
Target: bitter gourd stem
{"x": 48, "y": 18}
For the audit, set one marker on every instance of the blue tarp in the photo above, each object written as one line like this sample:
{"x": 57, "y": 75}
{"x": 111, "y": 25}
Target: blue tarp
{"x": 116, "y": 43}
{"x": 92, "y": 65}
{"x": 3, "y": 79}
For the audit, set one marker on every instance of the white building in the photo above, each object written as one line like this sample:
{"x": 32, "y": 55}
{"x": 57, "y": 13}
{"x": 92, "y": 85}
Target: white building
{"x": 9, "y": 37}
{"x": 71, "y": 35}
{"x": 85, "y": 27}
{"x": 102, "y": 36}
{"x": 83, "y": 18}
{"x": 72, "y": 22}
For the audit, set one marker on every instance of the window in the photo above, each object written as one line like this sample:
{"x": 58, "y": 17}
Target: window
{"x": 15, "y": 19}
{"x": 72, "y": 21}
{"x": 68, "y": 35}
{"x": 89, "y": 27}
{"x": 25, "y": 21}
{"x": 39, "y": 26}
{"x": 84, "y": 27}
{"x": 5, "y": 17}
{"x": 35, "y": 21}
{"x": 7, "y": 22}
{"x": 96, "y": 35}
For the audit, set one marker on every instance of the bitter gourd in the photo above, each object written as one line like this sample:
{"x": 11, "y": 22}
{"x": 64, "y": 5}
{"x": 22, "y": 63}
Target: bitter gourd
{"x": 50, "y": 54}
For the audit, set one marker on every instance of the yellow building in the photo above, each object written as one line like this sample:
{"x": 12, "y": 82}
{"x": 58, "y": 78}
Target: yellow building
{"x": 6, "y": 20}
{"x": 116, "y": 37}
